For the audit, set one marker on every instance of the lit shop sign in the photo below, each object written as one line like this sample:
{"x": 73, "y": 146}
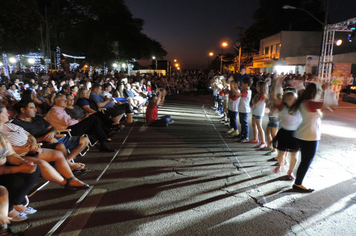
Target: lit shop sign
{"x": 261, "y": 64}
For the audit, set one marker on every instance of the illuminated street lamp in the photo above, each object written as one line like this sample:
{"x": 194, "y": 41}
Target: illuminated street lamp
{"x": 223, "y": 45}
{"x": 154, "y": 58}
{"x": 293, "y": 8}
{"x": 31, "y": 61}
{"x": 339, "y": 42}
{"x": 175, "y": 60}
{"x": 177, "y": 65}
{"x": 12, "y": 60}
{"x": 210, "y": 55}
{"x": 325, "y": 24}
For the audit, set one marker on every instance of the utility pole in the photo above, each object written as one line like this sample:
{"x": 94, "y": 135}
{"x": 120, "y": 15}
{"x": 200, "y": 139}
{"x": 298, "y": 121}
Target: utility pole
{"x": 239, "y": 44}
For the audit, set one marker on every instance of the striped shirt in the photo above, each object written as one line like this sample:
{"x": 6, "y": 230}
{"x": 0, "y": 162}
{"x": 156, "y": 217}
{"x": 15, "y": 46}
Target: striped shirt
{"x": 17, "y": 136}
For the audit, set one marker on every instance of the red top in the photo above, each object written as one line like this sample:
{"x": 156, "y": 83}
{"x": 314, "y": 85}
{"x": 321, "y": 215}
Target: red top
{"x": 151, "y": 113}
{"x": 148, "y": 88}
{"x": 262, "y": 97}
{"x": 244, "y": 94}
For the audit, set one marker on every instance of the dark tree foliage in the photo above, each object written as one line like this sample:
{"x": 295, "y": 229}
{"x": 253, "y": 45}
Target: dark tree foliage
{"x": 270, "y": 19}
{"x": 19, "y": 26}
{"x": 102, "y": 30}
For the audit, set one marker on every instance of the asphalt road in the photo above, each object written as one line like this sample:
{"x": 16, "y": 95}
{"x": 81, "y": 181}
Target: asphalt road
{"x": 191, "y": 178}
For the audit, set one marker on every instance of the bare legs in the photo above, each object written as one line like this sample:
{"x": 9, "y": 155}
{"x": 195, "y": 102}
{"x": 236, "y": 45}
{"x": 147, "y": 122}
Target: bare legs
{"x": 4, "y": 207}
{"x": 257, "y": 128}
{"x": 271, "y": 133}
{"x": 281, "y": 158}
{"x": 51, "y": 174}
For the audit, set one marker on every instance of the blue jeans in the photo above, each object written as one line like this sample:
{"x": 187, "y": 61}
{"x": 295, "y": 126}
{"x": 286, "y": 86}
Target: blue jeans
{"x": 233, "y": 122}
{"x": 18, "y": 185}
{"x": 244, "y": 124}
{"x": 307, "y": 150}
{"x": 161, "y": 122}
{"x": 220, "y": 105}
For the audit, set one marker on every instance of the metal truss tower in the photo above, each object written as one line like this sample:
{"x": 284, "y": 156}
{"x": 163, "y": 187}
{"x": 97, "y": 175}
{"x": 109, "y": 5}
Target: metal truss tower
{"x": 326, "y": 57}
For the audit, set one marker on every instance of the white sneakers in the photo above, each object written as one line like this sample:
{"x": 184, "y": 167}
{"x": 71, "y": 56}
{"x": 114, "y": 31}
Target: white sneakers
{"x": 230, "y": 131}
{"x": 20, "y": 217}
{"x": 235, "y": 133}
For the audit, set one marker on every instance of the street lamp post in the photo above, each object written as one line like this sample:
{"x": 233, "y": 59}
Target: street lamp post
{"x": 209, "y": 58}
{"x": 154, "y": 58}
{"x": 325, "y": 25}
{"x": 224, "y": 44}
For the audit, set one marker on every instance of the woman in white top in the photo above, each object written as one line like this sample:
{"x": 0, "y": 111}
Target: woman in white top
{"x": 258, "y": 110}
{"x": 285, "y": 139}
{"x": 308, "y": 133}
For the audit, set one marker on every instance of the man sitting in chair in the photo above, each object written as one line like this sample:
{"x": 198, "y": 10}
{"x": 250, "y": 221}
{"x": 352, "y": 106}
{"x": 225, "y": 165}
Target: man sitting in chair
{"x": 59, "y": 118}
{"x": 44, "y": 133}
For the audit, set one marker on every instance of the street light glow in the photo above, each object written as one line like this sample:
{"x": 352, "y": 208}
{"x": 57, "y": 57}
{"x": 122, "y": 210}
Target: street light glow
{"x": 175, "y": 60}
{"x": 153, "y": 57}
{"x": 339, "y": 42}
{"x": 211, "y": 54}
{"x": 288, "y": 7}
{"x": 224, "y": 44}
{"x": 12, "y": 60}
{"x": 31, "y": 61}
{"x": 114, "y": 65}
{"x": 177, "y": 65}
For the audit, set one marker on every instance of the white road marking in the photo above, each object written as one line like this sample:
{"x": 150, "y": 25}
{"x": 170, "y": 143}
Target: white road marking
{"x": 124, "y": 155}
{"x": 237, "y": 160}
{"x": 82, "y": 215}
{"x": 68, "y": 214}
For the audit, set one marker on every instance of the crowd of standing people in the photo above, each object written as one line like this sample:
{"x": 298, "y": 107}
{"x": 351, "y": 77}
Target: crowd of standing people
{"x": 293, "y": 104}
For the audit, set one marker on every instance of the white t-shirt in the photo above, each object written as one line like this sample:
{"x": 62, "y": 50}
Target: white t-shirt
{"x": 259, "y": 108}
{"x": 16, "y": 94}
{"x": 268, "y": 81}
{"x": 234, "y": 103}
{"x": 289, "y": 121}
{"x": 244, "y": 105}
{"x": 309, "y": 129}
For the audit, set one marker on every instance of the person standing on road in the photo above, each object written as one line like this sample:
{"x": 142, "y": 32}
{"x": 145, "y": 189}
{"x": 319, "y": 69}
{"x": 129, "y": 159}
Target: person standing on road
{"x": 244, "y": 109}
{"x": 233, "y": 108}
{"x": 308, "y": 133}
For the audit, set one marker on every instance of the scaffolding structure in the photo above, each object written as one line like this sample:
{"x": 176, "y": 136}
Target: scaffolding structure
{"x": 326, "y": 57}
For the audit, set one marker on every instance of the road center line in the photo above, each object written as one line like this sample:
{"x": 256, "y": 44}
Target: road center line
{"x": 65, "y": 217}
{"x": 237, "y": 160}
{"x": 82, "y": 215}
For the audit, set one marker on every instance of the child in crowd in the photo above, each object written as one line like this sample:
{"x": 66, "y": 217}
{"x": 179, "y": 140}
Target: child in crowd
{"x": 244, "y": 108}
{"x": 152, "y": 110}
{"x": 234, "y": 100}
{"x": 225, "y": 98}
{"x": 272, "y": 126}
{"x": 215, "y": 93}
{"x": 220, "y": 97}
{"x": 258, "y": 110}
{"x": 289, "y": 122}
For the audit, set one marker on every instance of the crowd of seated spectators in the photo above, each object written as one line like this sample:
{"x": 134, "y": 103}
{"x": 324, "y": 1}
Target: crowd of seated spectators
{"x": 33, "y": 108}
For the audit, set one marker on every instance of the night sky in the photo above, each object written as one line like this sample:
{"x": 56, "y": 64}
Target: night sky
{"x": 190, "y": 29}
